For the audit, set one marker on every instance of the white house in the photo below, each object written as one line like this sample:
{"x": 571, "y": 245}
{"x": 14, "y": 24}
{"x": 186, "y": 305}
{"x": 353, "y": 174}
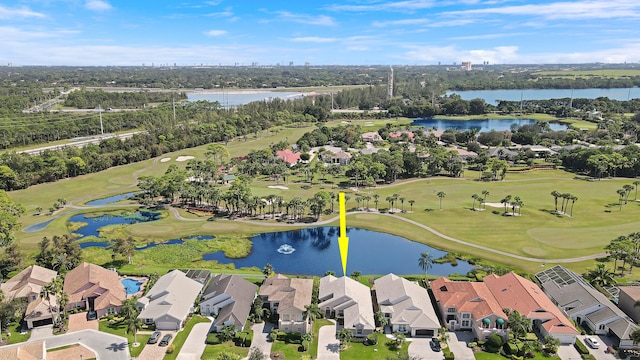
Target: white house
{"x": 229, "y": 299}
{"x": 349, "y": 302}
{"x": 169, "y": 301}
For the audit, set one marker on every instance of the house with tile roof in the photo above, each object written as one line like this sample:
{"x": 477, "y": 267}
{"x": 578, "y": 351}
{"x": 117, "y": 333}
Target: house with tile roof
{"x": 169, "y": 301}
{"x": 92, "y": 287}
{"x": 229, "y": 299}
{"x": 406, "y": 306}
{"x": 586, "y": 305}
{"x": 27, "y": 284}
{"x": 399, "y": 135}
{"x": 471, "y": 306}
{"x": 288, "y": 298}
{"x": 628, "y": 300}
{"x": 289, "y": 157}
{"x": 371, "y": 136}
{"x": 334, "y": 155}
{"x": 349, "y": 302}
{"x": 32, "y": 350}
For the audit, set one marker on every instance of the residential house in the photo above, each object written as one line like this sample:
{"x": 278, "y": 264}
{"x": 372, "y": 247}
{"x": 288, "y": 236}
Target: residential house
{"x": 92, "y": 287}
{"x": 335, "y": 155}
{"x": 481, "y": 306}
{"x": 33, "y": 350}
{"x": 27, "y": 284}
{"x": 465, "y": 305}
{"x": 406, "y": 306}
{"x": 371, "y": 136}
{"x": 169, "y": 301}
{"x": 400, "y": 135}
{"x": 586, "y": 305}
{"x": 629, "y": 301}
{"x": 288, "y": 298}
{"x": 502, "y": 153}
{"x": 349, "y": 302}
{"x": 288, "y": 156}
{"x": 229, "y": 299}
{"x": 541, "y": 151}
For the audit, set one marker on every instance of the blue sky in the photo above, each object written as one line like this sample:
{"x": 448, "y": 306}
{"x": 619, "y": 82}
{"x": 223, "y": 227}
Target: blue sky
{"x": 321, "y": 32}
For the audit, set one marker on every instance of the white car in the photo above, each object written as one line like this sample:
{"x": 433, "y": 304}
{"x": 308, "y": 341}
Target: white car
{"x": 593, "y": 342}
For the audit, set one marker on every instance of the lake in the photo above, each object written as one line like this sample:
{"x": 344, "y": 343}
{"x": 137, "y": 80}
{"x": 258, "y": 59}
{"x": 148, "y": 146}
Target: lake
{"x": 492, "y": 96}
{"x": 482, "y": 125}
{"x": 111, "y": 199}
{"x": 313, "y": 251}
{"x": 240, "y": 98}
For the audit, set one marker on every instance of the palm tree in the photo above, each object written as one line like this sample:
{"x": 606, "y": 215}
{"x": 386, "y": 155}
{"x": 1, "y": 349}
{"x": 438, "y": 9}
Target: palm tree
{"x": 600, "y": 276}
{"x": 627, "y": 188}
{"x": 376, "y": 198}
{"x": 518, "y": 324}
{"x": 133, "y": 326}
{"x": 621, "y": 193}
{"x": 635, "y": 336}
{"x": 227, "y": 333}
{"x": 313, "y": 311}
{"x": 344, "y": 335}
{"x": 474, "y": 197}
{"x": 555, "y": 195}
{"x": 441, "y": 194}
{"x": 518, "y": 204}
{"x": 411, "y": 202}
{"x": 506, "y": 200}
{"x": 355, "y": 275}
{"x": 402, "y": 199}
{"x": 425, "y": 262}
{"x": 484, "y": 196}
{"x": 636, "y": 183}
{"x": 267, "y": 271}
{"x": 573, "y": 199}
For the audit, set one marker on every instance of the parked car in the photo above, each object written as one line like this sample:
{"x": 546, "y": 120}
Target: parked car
{"x": 593, "y": 342}
{"x": 435, "y": 344}
{"x": 154, "y": 337}
{"x": 165, "y": 340}
{"x": 92, "y": 315}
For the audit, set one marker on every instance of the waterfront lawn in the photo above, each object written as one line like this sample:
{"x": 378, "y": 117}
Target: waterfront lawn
{"x": 357, "y": 351}
{"x": 182, "y": 335}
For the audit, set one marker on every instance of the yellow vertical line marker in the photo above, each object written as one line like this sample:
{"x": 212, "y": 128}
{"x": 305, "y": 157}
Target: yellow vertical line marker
{"x": 343, "y": 240}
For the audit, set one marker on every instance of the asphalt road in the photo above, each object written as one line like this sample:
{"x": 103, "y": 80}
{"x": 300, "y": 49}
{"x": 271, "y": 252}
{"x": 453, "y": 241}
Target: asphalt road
{"x": 106, "y": 346}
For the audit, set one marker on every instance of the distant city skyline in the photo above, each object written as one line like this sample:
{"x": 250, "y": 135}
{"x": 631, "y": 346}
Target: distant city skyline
{"x": 321, "y": 32}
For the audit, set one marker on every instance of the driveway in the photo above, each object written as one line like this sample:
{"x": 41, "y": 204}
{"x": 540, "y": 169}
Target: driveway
{"x": 155, "y": 351}
{"x": 328, "y": 345}
{"x": 196, "y": 342}
{"x": 458, "y": 345}
{"x": 261, "y": 339}
{"x": 568, "y": 352}
{"x": 73, "y": 352}
{"x": 41, "y": 332}
{"x": 420, "y": 348}
{"x": 105, "y": 345}
{"x": 78, "y": 322}
{"x": 599, "y": 353}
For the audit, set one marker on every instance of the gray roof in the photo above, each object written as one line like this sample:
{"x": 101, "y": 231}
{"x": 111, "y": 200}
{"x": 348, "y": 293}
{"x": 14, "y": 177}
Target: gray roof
{"x": 240, "y": 290}
{"x": 622, "y": 328}
{"x": 173, "y": 295}
{"x": 350, "y": 296}
{"x": 407, "y": 302}
{"x": 602, "y": 315}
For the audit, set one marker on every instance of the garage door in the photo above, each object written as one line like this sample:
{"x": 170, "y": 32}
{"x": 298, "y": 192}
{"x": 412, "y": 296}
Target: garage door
{"x": 166, "y": 325}
{"x": 424, "y": 332}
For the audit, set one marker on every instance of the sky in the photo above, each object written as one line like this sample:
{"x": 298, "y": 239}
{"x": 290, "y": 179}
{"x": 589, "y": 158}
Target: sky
{"x": 317, "y": 32}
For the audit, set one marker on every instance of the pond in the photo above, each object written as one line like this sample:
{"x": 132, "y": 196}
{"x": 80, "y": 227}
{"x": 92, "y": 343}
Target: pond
{"x": 492, "y": 96}
{"x": 482, "y": 125}
{"x": 94, "y": 223}
{"x": 111, "y": 199}
{"x": 235, "y": 98}
{"x": 313, "y": 251}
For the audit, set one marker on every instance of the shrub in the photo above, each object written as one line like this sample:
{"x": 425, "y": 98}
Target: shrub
{"x": 579, "y": 345}
{"x": 510, "y": 348}
{"x": 472, "y": 345}
{"x": 448, "y": 355}
{"x": 359, "y": 340}
{"x": 170, "y": 349}
{"x": 372, "y": 339}
{"x": 588, "y": 357}
{"x": 494, "y": 343}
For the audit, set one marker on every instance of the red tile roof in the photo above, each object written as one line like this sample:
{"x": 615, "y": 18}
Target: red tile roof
{"x": 288, "y": 156}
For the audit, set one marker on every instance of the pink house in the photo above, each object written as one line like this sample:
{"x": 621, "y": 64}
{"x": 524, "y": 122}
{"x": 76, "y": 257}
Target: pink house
{"x": 289, "y": 156}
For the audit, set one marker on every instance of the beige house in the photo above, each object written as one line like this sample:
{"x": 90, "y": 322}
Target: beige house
{"x": 94, "y": 288}
{"x": 629, "y": 301}
{"x": 169, "y": 301}
{"x": 33, "y": 350}
{"x": 406, "y": 306}
{"x": 27, "y": 284}
{"x": 287, "y": 298}
{"x": 349, "y": 302}
{"x": 229, "y": 299}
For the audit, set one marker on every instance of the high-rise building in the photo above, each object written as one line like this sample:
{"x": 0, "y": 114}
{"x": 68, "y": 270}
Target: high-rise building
{"x": 466, "y": 65}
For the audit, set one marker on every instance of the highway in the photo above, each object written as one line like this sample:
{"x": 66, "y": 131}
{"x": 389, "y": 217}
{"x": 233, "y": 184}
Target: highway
{"x": 80, "y": 142}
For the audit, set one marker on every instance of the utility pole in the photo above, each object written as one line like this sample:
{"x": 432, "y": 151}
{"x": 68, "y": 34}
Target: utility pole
{"x": 101, "y": 128}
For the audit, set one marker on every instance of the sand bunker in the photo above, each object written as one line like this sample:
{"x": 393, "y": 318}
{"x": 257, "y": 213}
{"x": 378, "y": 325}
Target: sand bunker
{"x": 184, "y": 158}
{"x": 165, "y": 159}
{"x": 496, "y": 205}
{"x": 278, "y": 187}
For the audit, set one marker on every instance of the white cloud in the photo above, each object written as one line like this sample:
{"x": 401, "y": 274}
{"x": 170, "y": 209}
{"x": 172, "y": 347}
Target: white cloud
{"x": 321, "y": 20}
{"x": 213, "y": 3}
{"x": 214, "y": 33}
{"x": 400, "y": 6}
{"x": 14, "y": 34}
{"x": 575, "y": 10}
{"x": 220, "y": 14}
{"x": 489, "y": 36}
{"x": 8, "y": 13}
{"x": 97, "y": 5}
{"x": 314, "y": 39}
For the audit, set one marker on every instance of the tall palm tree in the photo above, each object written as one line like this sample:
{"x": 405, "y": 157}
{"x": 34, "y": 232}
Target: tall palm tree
{"x": 627, "y": 189}
{"x": 600, "y": 276}
{"x": 411, "y": 202}
{"x": 573, "y": 199}
{"x": 484, "y": 196}
{"x": 133, "y": 326}
{"x": 344, "y": 335}
{"x": 474, "y": 197}
{"x": 425, "y": 262}
{"x": 402, "y": 199}
{"x": 636, "y": 183}
{"x": 555, "y": 195}
{"x": 621, "y": 193}
{"x": 441, "y": 194}
{"x": 313, "y": 312}
{"x": 506, "y": 201}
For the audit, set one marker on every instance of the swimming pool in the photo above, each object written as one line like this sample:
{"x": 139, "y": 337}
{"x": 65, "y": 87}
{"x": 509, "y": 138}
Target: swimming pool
{"x": 131, "y": 286}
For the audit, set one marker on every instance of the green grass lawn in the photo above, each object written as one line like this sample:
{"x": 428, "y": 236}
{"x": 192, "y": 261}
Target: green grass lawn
{"x": 357, "y": 351}
{"x": 119, "y": 328}
{"x": 212, "y": 351}
{"x": 181, "y": 337}
{"x": 489, "y": 356}
{"x": 16, "y": 336}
